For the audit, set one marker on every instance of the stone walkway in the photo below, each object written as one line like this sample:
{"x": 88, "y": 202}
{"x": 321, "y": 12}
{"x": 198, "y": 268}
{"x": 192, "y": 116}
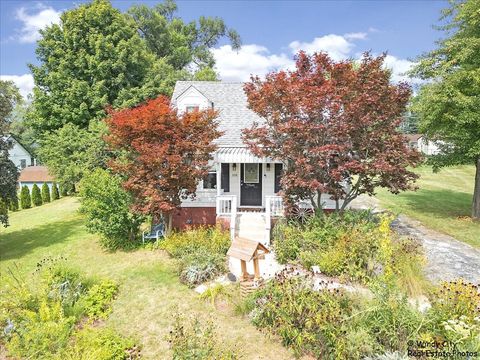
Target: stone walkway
{"x": 447, "y": 258}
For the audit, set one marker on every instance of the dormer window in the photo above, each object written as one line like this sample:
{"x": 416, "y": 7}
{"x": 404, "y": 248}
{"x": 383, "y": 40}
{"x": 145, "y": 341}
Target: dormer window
{"x": 192, "y": 108}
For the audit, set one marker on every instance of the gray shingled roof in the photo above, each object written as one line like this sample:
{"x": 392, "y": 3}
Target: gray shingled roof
{"x": 231, "y": 101}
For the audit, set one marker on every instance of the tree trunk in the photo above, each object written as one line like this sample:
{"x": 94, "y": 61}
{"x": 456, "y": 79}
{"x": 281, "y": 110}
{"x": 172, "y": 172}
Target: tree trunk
{"x": 168, "y": 229}
{"x": 476, "y": 194}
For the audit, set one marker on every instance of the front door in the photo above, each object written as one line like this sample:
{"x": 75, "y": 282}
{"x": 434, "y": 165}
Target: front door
{"x": 251, "y": 185}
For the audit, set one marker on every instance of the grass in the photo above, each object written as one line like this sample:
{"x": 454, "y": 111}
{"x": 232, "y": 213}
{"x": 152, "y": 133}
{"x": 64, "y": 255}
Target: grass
{"x": 149, "y": 287}
{"x": 442, "y": 202}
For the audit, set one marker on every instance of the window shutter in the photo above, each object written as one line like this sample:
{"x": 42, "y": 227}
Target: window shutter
{"x": 278, "y": 176}
{"x": 226, "y": 177}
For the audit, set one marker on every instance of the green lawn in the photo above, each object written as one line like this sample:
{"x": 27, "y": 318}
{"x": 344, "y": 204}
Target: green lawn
{"x": 149, "y": 287}
{"x": 442, "y": 202}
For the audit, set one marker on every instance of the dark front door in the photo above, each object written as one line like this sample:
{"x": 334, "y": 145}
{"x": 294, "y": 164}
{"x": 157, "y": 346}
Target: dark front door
{"x": 251, "y": 185}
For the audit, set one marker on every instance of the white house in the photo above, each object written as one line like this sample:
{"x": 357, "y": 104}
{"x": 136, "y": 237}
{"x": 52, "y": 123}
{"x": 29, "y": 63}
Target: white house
{"x": 238, "y": 180}
{"x": 428, "y": 147}
{"x": 20, "y": 156}
{"x": 35, "y": 175}
{"x": 422, "y": 144}
{"x": 241, "y": 190}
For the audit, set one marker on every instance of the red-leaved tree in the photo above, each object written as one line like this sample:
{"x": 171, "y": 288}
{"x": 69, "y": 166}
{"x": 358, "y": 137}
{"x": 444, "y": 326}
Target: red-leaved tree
{"x": 161, "y": 154}
{"x": 334, "y": 124}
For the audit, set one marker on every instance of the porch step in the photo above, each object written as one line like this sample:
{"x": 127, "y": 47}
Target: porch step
{"x": 251, "y": 225}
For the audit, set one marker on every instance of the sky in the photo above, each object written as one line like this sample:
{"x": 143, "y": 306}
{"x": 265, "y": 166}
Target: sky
{"x": 271, "y": 31}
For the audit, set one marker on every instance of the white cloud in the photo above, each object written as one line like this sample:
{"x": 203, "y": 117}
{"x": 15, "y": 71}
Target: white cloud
{"x": 34, "y": 20}
{"x": 24, "y": 83}
{"x": 251, "y": 59}
{"x": 255, "y": 59}
{"x": 399, "y": 69}
{"x": 356, "y": 36}
{"x": 339, "y": 47}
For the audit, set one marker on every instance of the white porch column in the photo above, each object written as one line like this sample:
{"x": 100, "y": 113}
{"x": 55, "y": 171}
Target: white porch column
{"x": 219, "y": 178}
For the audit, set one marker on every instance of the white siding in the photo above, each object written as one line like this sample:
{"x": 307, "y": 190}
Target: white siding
{"x": 18, "y": 153}
{"x": 192, "y": 97}
{"x": 30, "y": 185}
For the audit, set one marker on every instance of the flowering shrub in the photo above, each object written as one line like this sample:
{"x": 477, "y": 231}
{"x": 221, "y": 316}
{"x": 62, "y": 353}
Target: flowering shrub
{"x": 355, "y": 246}
{"x": 201, "y": 253}
{"x": 38, "y": 316}
{"x": 191, "y": 338}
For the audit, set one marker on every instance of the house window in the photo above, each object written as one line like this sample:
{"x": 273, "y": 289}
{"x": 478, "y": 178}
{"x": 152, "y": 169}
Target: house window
{"x": 251, "y": 174}
{"x": 278, "y": 177}
{"x": 23, "y": 164}
{"x": 210, "y": 181}
{"x": 192, "y": 108}
{"x": 226, "y": 177}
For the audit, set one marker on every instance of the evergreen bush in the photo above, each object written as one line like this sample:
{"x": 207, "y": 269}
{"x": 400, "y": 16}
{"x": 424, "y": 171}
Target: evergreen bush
{"x": 13, "y": 204}
{"x": 63, "y": 190}
{"x": 45, "y": 193}
{"x": 36, "y": 196}
{"x": 25, "y": 199}
{"x": 55, "y": 193}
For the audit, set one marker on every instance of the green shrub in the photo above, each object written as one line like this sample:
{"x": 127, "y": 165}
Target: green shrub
{"x": 308, "y": 321}
{"x": 13, "y": 204}
{"x": 38, "y": 316}
{"x": 100, "y": 344}
{"x": 211, "y": 239}
{"x": 64, "y": 190}
{"x": 107, "y": 208}
{"x": 55, "y": 193}
{"x": 192, "y": 339}
{"x": 200, "y": 266}
{"x": 25, "y": 199}
{"x": 45, "y": 193}
{"x": 98, "y": 299}
{"x": 36, "y": 195}
{"x": 40, "y": 333}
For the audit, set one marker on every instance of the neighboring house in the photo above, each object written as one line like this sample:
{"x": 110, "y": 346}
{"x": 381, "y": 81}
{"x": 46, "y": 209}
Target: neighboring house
{"x": 238, "y": 181}
{"x": 428, "y": 147}
{"x": 35, "y": 175}
{"x": 19, "y": 155}
{"x": 419, "y": 142}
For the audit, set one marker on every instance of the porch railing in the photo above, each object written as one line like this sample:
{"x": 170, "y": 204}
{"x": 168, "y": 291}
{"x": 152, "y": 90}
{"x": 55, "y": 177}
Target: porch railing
{"x": 227, "y": 206}
{"x": 273, "y": 208}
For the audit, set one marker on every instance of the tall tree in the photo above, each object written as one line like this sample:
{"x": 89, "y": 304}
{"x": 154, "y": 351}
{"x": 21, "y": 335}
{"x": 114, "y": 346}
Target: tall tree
{"x": 448, "y": 103}
{"x": 92, "y": 58}
{"x": 181, "y": 44}
{"x": 9, "y": 97}
{"x": 334, "y": 124}
{"x": 70, "y": 152}
{"x": 162, "y": 154}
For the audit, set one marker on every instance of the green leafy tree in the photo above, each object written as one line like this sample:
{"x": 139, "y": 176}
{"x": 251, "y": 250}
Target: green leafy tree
{"x": 71, "y": 151}
{"x": 107, "y": 208}
{"x": 63, "y": 190}
{"x": 36, "y": 195}
{"x": 9, "y": 97}
{"x": 182, "y": 44}
{"x": 45, "y": 193}
{"x": 55, "y": 193}
{"x": 86, "y": 61}
{"x": 448, "y": 103}
{"x": 25, "y": 199}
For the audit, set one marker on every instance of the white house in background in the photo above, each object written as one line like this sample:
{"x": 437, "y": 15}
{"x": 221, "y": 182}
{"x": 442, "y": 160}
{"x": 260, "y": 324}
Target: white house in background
{"x": 35, "y": 175}
{"x": 20, "y": 156}
{"x": 428, "y": 147}
{"x": 241, "y": 190}
{"x": 419, "y": 142}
